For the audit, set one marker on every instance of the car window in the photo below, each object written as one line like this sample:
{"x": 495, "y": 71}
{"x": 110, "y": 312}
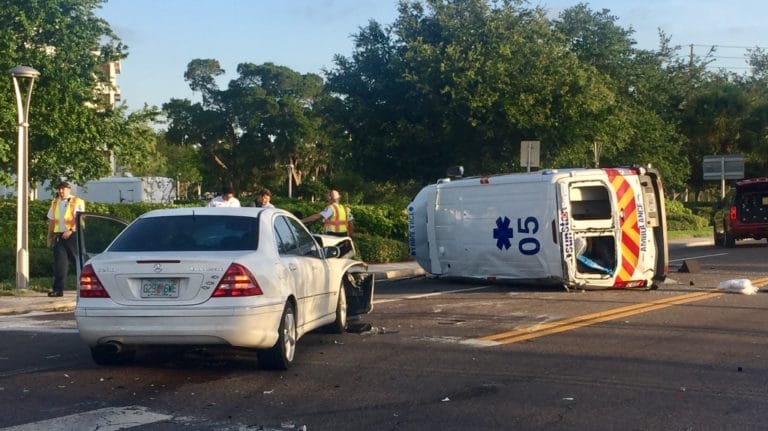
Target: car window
{"x": 285, "y": 237}
{"x": 307, "y": 244}
{"x": 189, "y": 233}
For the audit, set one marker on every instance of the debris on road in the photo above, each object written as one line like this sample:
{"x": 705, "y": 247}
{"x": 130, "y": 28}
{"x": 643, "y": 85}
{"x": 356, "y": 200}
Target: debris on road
{"x": 740, "y": 285}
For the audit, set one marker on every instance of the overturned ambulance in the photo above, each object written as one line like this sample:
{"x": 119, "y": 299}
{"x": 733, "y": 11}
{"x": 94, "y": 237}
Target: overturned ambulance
{"x": 579, "y": 228}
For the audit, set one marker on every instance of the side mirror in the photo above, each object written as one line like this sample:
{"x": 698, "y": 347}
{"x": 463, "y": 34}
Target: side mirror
{"x": 331, "y": 252}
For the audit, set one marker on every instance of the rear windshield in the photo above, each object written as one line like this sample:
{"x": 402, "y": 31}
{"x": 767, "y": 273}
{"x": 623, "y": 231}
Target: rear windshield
{"x": 189, "y": 233}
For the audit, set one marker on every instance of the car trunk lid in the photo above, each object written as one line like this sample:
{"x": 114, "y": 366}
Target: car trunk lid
{"x": 161, "y": 278}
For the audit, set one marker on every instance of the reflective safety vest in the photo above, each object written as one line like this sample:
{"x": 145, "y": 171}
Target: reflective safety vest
{"x": 337, "y": 223}
{"x": 69, "y": 213}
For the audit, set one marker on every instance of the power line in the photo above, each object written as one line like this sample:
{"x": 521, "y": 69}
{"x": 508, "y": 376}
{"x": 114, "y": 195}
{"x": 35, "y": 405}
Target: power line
{"x": 727, "y": 46}
{"x": 717, "y": 57}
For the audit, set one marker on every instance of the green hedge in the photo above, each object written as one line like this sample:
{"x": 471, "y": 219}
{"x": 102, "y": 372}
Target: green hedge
{"x": 686, "y": 222}
{"x": 40, "y": 262}
{"x": 376, "y": 249}
{"x": 687, "y": 216}
{"x": 380, "y": 220}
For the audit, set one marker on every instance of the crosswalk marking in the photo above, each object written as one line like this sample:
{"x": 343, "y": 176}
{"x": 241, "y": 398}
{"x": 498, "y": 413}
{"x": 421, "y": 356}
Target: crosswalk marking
{"x": 106, "y": 419}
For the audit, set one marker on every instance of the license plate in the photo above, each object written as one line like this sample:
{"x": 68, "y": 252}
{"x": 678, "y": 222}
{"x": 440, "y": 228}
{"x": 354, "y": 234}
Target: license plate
{"x": 160, "y": 288}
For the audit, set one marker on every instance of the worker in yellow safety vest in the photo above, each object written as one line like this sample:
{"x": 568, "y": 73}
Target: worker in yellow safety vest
{"x": 61, "y": 234}
{"x": 337, "y": 218}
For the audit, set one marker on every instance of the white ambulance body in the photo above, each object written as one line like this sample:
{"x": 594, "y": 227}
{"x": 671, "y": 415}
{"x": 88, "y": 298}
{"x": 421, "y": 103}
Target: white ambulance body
{"x": 580, "y": 228}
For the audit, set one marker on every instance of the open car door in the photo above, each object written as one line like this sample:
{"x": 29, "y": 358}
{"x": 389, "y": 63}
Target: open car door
{"x": 94, "y": 234}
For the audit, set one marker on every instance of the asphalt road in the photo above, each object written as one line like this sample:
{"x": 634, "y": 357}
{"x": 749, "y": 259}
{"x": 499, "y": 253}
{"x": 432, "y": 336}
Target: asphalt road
{"x": 440, "y": 355}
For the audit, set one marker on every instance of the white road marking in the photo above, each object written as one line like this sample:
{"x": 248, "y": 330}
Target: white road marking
{"x": 107, "y": 419}
{"x": 699, "y": 257}
{"x": 426, "y": 295}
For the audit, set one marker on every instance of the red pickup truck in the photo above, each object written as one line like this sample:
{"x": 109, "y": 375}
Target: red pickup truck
{"x": 742, "y": 214}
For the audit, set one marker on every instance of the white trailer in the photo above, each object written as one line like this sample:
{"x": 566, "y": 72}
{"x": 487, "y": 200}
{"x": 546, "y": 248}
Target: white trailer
{"x": 129, "y": 189}
{"x": 581, "y": 228}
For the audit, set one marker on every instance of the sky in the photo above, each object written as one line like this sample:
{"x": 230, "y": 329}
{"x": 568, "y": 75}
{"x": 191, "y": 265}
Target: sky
{"x": 163, "y": 36}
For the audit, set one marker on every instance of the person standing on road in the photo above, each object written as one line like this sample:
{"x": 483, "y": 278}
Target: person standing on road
{"x": 61, "y": 234}
{"x": 337, "y": 218}
{"x": 263, "y": 199}
{"x": 226, "y": 199}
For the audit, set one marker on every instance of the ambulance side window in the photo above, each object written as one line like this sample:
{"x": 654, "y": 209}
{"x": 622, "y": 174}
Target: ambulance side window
{"x": 590, "y": 202}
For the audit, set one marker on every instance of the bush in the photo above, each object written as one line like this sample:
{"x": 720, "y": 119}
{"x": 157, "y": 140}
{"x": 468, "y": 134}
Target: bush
{"x": 686, "y": 222}
{"x": 376, "y": 249}
{"x": 387, "y": 221}
{"x": 676, "y": 207}
{"x": 688, "y": 216}
{"x": 40, "y": 262}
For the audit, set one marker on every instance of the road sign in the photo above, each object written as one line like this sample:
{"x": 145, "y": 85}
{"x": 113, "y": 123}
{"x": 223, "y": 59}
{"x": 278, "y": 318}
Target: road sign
{"x": 723, "y": 168}
{"x": 718, "y": 168}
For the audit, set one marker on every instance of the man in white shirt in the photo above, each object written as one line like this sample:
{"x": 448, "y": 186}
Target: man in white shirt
{"x": 226, "y": 199}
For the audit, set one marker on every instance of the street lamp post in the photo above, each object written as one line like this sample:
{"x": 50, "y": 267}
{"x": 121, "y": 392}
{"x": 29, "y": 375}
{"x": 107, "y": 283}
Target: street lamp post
{"x": 23, "y": 73}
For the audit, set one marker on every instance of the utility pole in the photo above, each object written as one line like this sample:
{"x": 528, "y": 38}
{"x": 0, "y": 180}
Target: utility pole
{"x": 690, "y": 58}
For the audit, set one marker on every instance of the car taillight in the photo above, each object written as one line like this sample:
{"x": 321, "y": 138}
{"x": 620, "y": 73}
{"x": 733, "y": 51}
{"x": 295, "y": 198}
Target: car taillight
{"x": 733, "y": 213}
{"x": 90, "y": 285}
{"x": 237, "y": 281}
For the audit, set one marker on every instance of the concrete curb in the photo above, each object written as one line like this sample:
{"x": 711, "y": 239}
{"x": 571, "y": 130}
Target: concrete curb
{"x": 397, "y": 274}
{"x": 27, "y": 303}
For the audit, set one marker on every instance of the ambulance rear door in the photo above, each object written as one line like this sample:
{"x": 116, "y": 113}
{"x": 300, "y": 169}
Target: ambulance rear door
{"x": 589, "y": 231}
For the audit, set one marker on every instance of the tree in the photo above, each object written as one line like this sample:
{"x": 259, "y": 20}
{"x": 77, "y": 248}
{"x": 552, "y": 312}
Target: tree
{"x": 727, "y": 114}
{"x": 646, "y": 90}
{"x": 141, "y": 154}
{"x": 463, "y": 82}
{"x": 249, "y": 133}
{"x": 71, "y": 126}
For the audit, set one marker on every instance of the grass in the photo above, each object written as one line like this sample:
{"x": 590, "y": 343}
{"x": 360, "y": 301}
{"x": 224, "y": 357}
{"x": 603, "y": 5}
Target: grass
{"x": 36, "y": 284}
{"x": 699, "y": 233}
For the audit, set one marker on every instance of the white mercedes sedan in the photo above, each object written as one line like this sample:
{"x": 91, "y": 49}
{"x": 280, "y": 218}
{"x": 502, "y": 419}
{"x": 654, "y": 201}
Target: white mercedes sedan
{"x": 243, "y": 277}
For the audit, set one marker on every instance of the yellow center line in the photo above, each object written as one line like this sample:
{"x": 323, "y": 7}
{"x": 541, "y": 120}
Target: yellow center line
{"x": 760, "y": 282}
{"x": 540, "y": 330}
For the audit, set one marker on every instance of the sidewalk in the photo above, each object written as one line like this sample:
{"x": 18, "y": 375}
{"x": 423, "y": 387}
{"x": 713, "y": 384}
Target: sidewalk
{"x": 39, "y": 301}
